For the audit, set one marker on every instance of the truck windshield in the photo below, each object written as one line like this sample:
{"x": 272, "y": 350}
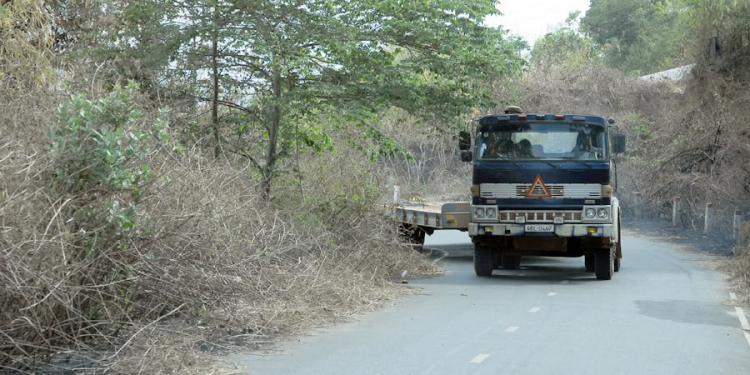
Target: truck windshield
{"x": 543, "y": 141}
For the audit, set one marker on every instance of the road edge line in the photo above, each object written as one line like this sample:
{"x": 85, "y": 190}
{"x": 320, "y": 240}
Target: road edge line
{"x": 743, "y": 319}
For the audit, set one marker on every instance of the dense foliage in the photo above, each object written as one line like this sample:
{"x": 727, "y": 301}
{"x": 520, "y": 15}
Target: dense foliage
{"x": 280, "y": 75}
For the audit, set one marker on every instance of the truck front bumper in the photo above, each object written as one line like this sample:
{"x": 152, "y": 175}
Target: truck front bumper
{"x": 561, "y": 230}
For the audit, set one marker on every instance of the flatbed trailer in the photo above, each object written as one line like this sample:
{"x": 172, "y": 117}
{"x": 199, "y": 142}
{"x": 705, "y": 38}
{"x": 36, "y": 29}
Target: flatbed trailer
{"x": 416, "y": 219}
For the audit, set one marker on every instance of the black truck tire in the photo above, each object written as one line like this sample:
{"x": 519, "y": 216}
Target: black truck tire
{"x": 605, "y": 263}
{"x": 618, "y": 255}
{"x": 511, "y": 262}
{"x": 589, "y": 262}
{"x": 483, "y": 263}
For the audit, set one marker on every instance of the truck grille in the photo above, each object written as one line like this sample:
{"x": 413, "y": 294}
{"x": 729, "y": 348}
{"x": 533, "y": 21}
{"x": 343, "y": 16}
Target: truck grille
{"x": 518, "y": 191}
{"x": 540, "y": 216}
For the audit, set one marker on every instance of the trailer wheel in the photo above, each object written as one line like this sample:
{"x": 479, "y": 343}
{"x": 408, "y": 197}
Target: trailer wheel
{"x": 617, "y": 264}
{"x": 605, "y": 263}
{"x": 483, "y": 263}
{"x": 588, "y": 261}
{"x": 511, "y": 262}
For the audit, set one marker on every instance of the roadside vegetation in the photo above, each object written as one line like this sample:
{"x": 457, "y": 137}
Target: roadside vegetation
{"x": 178, "y": 178}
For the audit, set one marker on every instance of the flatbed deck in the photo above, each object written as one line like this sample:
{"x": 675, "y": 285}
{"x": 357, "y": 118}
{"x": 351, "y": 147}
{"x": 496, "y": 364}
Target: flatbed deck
{"x": 432, "y": 215}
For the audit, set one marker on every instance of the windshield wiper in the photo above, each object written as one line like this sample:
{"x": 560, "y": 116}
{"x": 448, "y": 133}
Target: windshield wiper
{"x": 588, "y": 165}
{"x": 550, "y": 164}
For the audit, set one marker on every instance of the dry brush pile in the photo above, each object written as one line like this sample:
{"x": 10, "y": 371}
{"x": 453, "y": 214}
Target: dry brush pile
{"x": 122, "y": 250}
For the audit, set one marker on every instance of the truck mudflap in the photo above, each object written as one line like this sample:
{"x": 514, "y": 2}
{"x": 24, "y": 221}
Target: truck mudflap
{"x": 560, "y": 230}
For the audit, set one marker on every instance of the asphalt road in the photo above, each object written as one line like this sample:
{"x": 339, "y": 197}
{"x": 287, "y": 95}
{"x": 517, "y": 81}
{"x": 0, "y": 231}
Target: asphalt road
{"x": 663, "y": 313}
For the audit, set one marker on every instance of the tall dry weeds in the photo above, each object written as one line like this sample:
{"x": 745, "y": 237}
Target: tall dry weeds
{"x": 209, "y": 264}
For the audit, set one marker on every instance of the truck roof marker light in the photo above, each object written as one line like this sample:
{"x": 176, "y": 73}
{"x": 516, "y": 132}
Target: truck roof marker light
{"x": 579, "y": 118}
{"x": 541, "y": 117}
{"x": 559, "y": 117}
{"x": 522, "y": 117}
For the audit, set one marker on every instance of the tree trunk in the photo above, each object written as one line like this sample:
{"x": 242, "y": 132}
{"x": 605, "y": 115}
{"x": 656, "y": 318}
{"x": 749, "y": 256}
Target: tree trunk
{"x": 215, "y": 66}
{"x": 273, "y": 136}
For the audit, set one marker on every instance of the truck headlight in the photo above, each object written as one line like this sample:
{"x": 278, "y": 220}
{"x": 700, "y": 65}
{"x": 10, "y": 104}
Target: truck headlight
{"x": 590, "y": 213}
{"x": 603, "y": 213}
{"x": 491, "y": 212}
{"x": 479, "y": 212}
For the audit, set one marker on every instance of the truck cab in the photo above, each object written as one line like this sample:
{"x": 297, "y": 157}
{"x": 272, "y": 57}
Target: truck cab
{"x": 543, "y": 185}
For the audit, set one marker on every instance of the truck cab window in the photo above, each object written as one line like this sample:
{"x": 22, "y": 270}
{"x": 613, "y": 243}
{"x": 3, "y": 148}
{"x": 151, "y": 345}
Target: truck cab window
{"x": 543, "y": 141}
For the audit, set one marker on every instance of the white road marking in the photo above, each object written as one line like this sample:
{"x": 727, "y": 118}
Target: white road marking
{"x": 535, "y": 309}
{"x": 480, "y": 358}
{"x": 564, "y": 281}
{"x": 522, "y": 274}
{"x": 743, "y": 319}
{"x": 551, "y": 294}
{"x": 511, "y": 329}
{"x": 743, "y": 323}
{"x": 741, "y": 316}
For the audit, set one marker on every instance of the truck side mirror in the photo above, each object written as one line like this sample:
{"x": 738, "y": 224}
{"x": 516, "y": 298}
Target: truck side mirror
{"x": 467, "y": 156}
{"x": 464, "y": 141}
{"x": 618, "y": 143}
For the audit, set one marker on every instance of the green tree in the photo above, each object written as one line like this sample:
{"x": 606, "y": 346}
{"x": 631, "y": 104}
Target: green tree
{"x": 565, "y": 46}
{"x": 641, "y": 36}
{"x": 277, "y": 71}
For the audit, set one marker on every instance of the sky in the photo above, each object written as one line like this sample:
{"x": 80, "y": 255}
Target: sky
{"x": 532, "y": 19}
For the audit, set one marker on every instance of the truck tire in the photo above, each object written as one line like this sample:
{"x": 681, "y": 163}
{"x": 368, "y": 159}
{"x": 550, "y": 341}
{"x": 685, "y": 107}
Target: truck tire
{"x": 511, "y": 262}
{"x": 483, "y": 263}
{"x": 605, "y": 263}
{"x": 618, "y": 255}
{"x": 588, "y": 261}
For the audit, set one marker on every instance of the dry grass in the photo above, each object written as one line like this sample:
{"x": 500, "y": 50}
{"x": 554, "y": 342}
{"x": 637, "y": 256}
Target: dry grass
{"x": 209, "y": 265}
{"x": 436, "y": 172}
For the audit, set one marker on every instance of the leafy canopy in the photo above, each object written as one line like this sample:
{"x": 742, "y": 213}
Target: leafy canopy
{"x": 290, "y": 71}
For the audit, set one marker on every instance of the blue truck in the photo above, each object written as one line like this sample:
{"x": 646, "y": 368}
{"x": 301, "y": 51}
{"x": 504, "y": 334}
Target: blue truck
{"x": 542, "y": 185}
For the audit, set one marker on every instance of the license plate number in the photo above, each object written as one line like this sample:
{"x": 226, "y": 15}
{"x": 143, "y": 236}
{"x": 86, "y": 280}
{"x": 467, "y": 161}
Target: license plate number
{"x": 540, "y": 228}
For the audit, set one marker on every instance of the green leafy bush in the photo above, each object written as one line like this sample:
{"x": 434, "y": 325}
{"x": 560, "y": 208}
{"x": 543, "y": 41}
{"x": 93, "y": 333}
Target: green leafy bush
{"x": 99, "y": 149}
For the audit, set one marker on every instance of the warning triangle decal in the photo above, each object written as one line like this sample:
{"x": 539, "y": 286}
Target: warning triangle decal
{"x": 538, "y": 189}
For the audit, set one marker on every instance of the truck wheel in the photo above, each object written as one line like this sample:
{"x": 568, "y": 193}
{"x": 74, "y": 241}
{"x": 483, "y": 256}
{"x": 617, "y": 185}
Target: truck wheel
{"x": 605, "y": 263}
{"x": 588, "y": 260}
{"x": 483, "y": 264}
{"x": 511, "y": 262}
{"x": 617, "y": 264}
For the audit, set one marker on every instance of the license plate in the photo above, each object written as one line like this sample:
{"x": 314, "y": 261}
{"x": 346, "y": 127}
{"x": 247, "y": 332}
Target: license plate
{"x": 540, "y": 228}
